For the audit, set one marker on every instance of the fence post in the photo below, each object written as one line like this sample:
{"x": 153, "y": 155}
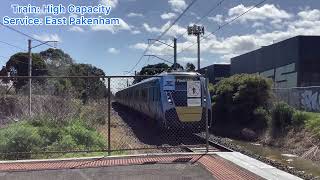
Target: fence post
{"x": 109, "y": 117}
{"x": 207, "y": 112}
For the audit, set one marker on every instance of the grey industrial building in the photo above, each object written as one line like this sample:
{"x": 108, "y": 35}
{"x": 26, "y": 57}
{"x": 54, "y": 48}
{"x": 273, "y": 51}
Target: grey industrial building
{"x": 294, "y": 62}
{"x": 216, "y": 72}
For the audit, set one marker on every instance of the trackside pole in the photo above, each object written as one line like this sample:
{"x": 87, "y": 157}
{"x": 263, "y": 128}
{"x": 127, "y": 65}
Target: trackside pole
{"x": 109, "y": 119}
{"x": 30, "y": 74}
{"x": 207, "y": 114}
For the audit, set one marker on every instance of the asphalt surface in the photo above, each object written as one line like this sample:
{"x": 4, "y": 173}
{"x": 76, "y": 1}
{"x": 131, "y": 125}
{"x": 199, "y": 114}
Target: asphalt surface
{"x": 185, "y": 171}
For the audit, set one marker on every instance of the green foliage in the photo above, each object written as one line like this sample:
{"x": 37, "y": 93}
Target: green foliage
{"x": 56, "y": 60}
{"x": 261, "y": 118}
{"x": 20, "y": 137}
{"x": 282, "y": 115}
{"x": 299, "y": 118}
{"x": 237, "y": 100}
{"x": 41, "y": 134}
{"x": 85, "y": 136}
{"x": 17, "y": 65}
{"x": 313, "y": 123}
{"x": 85, "y": 89}
{"x": 190, "y": 67}
{"x": 151, "y": 70}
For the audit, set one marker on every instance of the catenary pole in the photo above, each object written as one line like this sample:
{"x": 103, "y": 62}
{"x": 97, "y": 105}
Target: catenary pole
{"x": 30, "y": 74}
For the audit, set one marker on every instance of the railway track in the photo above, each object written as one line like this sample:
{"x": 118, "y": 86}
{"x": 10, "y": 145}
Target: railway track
{"x": 212, "y": 146}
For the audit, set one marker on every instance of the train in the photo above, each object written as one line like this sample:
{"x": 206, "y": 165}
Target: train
{"x": 175, "y": 100}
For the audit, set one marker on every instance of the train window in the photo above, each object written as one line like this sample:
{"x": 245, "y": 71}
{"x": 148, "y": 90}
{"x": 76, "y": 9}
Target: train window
{"x": 151, "y": 98}
{"x": 156, "y": 94}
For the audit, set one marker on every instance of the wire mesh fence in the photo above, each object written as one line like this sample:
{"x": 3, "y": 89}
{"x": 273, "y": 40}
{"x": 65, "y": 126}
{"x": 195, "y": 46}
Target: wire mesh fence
{"x": 88, "y": 116}
{"x": 303, "y": 98}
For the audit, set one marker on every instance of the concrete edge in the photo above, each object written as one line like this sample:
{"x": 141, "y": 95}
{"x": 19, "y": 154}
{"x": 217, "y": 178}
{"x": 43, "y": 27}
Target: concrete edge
{"x": 103, "y": 157}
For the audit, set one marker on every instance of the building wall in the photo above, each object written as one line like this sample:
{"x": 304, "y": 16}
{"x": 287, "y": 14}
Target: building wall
{"x": 216, "y": 72}
{"x": 279, "y": 62}
{"x": 310, "y": 61}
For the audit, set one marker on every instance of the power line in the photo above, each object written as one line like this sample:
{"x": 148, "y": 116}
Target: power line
{"x": 24, "y": 34}
{"x": 12, "y": 45}
{"x": 205, "y": 15}
{"x": 222, "y": 26}
{"x": 199, "y": 20}
{"x": 161, "y": 35}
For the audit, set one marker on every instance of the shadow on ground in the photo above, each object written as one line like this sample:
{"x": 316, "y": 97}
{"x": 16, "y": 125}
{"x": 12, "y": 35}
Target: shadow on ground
{"x": 146, "y": 130}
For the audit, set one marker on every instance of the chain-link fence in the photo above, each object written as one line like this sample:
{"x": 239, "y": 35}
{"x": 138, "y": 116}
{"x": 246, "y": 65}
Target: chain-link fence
{"x": 90, "y": 116}
{"x": 303, "y": 98}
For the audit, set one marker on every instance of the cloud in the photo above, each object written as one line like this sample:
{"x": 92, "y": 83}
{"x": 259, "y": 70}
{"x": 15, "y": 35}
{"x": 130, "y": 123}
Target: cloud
{"x": 113, "y": 51}
{"x": 218, "y": 18}
{"x": 310, "y": 15}
{"x": 267, "y": 11}
{"x": 76, "y": 29}
{"x": 112, "y": 3}
{"x": 135, "y": 32}
{"x": 168, "y": 15}
{"x": 272, "y": 30}
{"x": 177, "y": 5}
{"x": 48, "y": 37}
{"x": 135, "y": 15}
{"x": 123, "y": 26}
{"x": 189, "y": 60}
{"x": 175, "y": 30}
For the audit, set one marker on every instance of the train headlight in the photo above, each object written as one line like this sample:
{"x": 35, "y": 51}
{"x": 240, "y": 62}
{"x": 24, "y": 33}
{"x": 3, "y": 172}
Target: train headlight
{"x": 169, "y": 98}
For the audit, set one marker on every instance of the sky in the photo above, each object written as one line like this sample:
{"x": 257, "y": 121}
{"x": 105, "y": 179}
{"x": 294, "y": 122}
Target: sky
{"x": 116, "y": 49}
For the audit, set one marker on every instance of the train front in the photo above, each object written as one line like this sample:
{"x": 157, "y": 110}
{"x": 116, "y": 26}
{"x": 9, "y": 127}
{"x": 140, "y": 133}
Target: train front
{"x": 186, "y": 99}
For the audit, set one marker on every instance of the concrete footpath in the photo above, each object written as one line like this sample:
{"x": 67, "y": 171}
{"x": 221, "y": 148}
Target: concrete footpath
{"x": 184, "y": 166}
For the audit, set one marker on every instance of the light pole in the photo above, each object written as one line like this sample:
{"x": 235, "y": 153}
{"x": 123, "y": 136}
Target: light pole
{"x": 30, "y": 68}
{"x": 196, "y": 31}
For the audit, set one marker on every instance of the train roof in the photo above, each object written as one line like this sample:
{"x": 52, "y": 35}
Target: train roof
{"x": 174, "y": 73}
{"x": 181, "y": 73}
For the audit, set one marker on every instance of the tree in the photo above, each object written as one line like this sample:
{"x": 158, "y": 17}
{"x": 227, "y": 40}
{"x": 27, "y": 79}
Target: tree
{"x": 151, "y": 70}
{"x": 57, "y": 61}
{"x": 17, "y": 65}
{"x": 87, "y": 88}
{"x": 175, "y": 67}
{"x": 190, "y": 67}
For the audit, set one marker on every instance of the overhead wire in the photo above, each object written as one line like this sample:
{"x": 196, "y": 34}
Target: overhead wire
{"x": 9, "y": 44}
{"x": 161, "y": 35}
{"x": 222, "y": 26}
{"x": 24, "y": 34}
{"x": 199, "y": 20}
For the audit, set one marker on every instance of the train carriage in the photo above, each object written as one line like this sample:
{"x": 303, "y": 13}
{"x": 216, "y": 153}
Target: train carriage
{"x": 175, "y": 100}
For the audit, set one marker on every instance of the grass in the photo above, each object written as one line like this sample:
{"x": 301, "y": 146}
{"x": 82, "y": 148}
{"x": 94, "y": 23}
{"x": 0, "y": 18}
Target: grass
{"x": 40, "y": 134}
{"x": 313, "y": 123}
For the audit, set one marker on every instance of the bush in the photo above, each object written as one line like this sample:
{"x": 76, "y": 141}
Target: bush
{"x": 282, "y": 115}
{"x": 36, "y": 134}
{"x": 262, "y": 117}
{"x": 85, "y": 136}
{"x": 238, "y": 99}
{"x": 20, "y": 137}
{"x": 313, "y": 124}
{"x": 299, "y": 118}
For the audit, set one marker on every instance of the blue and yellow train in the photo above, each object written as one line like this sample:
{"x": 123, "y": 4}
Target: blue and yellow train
{"x": 174, "y": 99}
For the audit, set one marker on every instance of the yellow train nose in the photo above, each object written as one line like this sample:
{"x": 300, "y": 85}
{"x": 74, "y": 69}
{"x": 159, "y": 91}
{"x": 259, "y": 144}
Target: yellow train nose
{"x": 189, "y": 114}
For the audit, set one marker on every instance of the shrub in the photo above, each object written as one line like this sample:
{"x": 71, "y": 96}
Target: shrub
{"x": 299, "y": 118}
{"x": 41, "y": 134}
{"x": 236, "y": 99}
{"x": 20, "y": 137}
{"x": 85, "y": 136}
{"x": 313, "y": 124}
{"x": 262, "y": 117}
{"x": 282, "y": 115}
